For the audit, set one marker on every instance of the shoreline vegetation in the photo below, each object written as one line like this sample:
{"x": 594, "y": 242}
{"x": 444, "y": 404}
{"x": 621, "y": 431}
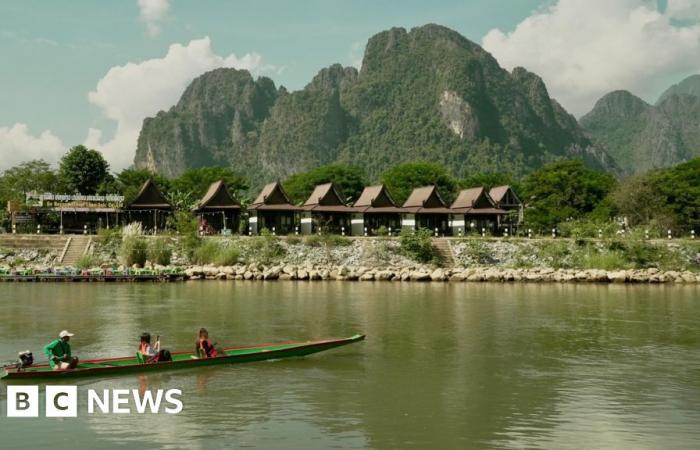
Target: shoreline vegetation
{"x": 413, "y": 256}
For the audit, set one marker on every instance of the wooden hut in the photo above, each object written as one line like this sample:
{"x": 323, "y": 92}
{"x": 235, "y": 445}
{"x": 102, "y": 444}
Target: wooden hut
{"x": 325, "y": 211}
{"x": 425, "y": 208}
{"x": 505, "y": 198}
{"x": 474, "y": 210}
{"x": 375, "y": 208}
{"x": 273, "y": 210}
{"x": 218, "y": 210}
{"x": 149, "y": 207}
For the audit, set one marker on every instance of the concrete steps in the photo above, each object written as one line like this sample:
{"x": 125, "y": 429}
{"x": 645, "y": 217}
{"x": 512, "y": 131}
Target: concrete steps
{"x": 444, "y": 250}
{"x": 77, "y": 247}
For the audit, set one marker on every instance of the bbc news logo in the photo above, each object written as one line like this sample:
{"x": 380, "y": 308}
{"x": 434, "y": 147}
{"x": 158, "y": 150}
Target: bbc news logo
{"x": 62, "y": 401}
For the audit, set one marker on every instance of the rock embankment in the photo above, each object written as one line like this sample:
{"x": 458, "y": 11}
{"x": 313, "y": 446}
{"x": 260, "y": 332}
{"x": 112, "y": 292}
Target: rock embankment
{"x": 429, "y": 273}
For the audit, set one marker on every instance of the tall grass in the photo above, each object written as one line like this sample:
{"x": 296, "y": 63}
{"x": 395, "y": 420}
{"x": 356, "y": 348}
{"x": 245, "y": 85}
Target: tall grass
{"x": 159, "y": 252}
{"x": 134, "y": 250}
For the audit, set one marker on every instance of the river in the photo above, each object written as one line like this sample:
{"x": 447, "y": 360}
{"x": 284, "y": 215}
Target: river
{"x": 444, "y": 366}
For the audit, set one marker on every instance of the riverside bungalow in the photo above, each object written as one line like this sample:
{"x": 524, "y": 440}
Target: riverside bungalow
{"x": 218, "y": 210}
{"x": 474, "y": 210}
{"x": 506, "y": 199}
{"x": 374, "y": 209}
{"x": 325, "y": 211}
{"x": 273, "y": 210}
{"x": 426, "y": 209}
{"x": 149, "y": 207}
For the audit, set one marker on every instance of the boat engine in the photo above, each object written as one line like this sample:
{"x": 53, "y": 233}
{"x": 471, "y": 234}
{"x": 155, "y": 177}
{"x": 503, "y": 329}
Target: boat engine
{"x": 26, "y": 359}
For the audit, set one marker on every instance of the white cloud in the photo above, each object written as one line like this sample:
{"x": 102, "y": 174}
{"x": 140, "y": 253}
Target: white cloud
{"x": 152, "y": 12}
{"x": 586, "y": 49}
{"x": 128, "y": 94}
{"x": 17, "y": 145}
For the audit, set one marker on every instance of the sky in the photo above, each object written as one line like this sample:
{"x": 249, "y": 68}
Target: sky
{"x": 88, "y": 71}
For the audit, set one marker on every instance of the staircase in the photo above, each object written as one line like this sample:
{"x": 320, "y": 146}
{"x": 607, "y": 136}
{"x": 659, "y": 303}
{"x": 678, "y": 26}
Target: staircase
{"x": 76, "y": 247}
{"x": 444, "y": 250}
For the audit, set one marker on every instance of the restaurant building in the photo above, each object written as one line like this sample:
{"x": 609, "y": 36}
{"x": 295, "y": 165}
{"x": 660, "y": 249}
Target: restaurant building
{"x": 273, "y": 210}
{"x": 374, "y": 209}
{"x": 218, "y": 211}
{"x": 67, "y": 213}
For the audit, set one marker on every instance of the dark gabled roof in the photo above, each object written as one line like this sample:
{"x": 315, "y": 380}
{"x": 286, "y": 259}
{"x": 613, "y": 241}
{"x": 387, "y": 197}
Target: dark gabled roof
{"x": 499, "y": 192}
{"x": 475, "y": 197}
{"x": 324, "y": 195}
{"x": 376, "y": 197}
{"x": 425, "y": 197}
{"x": 149, "y": 197}
{"x": 272, "y": 194}
{"x": 217, "y": 197}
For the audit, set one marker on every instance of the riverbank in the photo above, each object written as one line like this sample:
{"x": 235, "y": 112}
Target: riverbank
{"x": 438, "y": 274}
{"x": 315, "y": 258}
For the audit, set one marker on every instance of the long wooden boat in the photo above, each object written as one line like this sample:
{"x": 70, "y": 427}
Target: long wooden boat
{"x": 181, "y": 360}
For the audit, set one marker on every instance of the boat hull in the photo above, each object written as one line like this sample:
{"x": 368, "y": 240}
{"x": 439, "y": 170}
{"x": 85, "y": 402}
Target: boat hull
{"x": 181, "y": 360}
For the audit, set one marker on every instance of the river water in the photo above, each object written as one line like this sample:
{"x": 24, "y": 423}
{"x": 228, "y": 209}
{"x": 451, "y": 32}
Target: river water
{"x": 444, "y": 366}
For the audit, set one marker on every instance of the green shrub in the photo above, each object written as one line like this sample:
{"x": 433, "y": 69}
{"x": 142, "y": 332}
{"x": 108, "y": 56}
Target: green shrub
{"x": 109, "y": 236}
{"x": 417, "y": 245}
{"x": 183, "y": 222}
{"x": 206, "y": 253}
{"x": 478, "y": 251}
{"x": 293, "y": 239}
{"x": 227, "y": 256}
{"x": 86, "y": 262}
{"x": 159, "y": 252}
{"x": 382, "y": 231}
{"x": 603, "y": 260}
{"x": 556, "y": 254}
{"x": 266, "y": 247}
{"x": 134, "y": 250}
{"x": 586, "y": 228}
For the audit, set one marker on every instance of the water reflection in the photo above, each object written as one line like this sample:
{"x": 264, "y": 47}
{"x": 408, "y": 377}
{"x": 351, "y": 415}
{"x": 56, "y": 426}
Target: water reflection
{"x": 444, "y": 365}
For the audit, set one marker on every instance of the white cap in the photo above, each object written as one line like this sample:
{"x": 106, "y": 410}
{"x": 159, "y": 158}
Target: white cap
{"x": 64, "y": 333}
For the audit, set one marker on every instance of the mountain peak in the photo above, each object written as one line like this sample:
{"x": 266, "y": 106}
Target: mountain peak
{"x": 618, "y": 103}
{"x": 428, "y": 93}
{"x": 688, "y": 86}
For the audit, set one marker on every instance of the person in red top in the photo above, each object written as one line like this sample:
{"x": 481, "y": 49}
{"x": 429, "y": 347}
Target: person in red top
{"x": 203, "y": 347}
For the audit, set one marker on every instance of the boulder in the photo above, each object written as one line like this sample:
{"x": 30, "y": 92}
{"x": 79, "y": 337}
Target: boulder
{"x": 420, "y": 276}
{"x": 367, "y": 276}
{"x": 272, "y": 274}
{"x": 438, "y": 275}
{"x": 617, "y": 276}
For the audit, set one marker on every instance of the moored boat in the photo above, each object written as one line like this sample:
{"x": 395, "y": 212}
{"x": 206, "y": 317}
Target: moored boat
{"x": 181, "y": 360}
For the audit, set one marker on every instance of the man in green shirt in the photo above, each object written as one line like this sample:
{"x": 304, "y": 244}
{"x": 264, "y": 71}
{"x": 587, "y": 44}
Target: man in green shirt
{"x": 58, "y": 352}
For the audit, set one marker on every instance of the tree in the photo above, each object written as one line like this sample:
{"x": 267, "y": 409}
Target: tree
{"x": 639, "y": 200}
{"x": 34, "y": 175}
{"x": 195, "y": 182}
{"x": 563, "y": 190}
{"x": 83, "y": 170}
{"x": 402, "y": 179}
{"x": 486, "y": 179}
{"x": 348, "y": 180}
{"x": 680, "y": 188}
